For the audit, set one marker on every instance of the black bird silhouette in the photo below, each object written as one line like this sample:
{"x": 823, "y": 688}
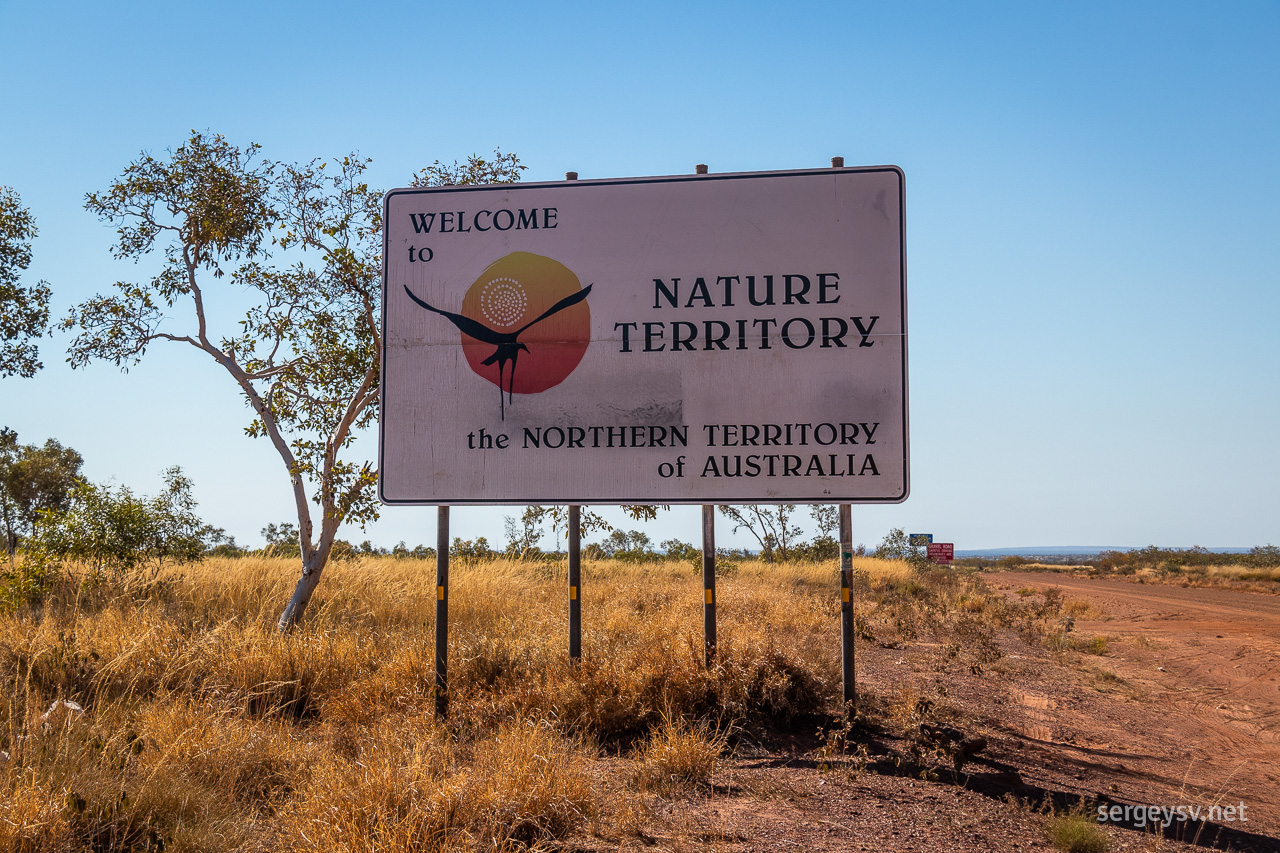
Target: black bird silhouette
{"x": 507, "y": 344}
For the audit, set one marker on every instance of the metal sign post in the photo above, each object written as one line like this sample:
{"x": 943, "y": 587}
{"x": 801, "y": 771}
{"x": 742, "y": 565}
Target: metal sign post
{"x": 442, "y": 612}
{"x": 708, "y": 558}
{"x": 709, "y": 584}
{"x": 575, "y": 560}
{"x": 846, "y": 605}
{"x": 575, "y": 583}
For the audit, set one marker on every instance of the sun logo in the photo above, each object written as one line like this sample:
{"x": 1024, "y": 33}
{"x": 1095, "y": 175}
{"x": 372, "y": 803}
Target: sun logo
{"x": 525, "y": 303}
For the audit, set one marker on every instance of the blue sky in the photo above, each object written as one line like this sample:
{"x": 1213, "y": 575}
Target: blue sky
{"x": 1093, "y": 220}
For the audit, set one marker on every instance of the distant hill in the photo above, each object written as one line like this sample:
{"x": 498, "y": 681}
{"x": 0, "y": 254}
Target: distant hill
{"x": 1060, "y": 551}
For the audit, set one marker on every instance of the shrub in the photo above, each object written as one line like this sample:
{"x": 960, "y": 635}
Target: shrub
{"x": 119, "y": 534}
{"x": 1094, "y": 646}
{"x": 24, "y": 582}
{"x": 282, "y": 540}
{"x": 683, "y": 552}
{"x": 471, "y": 550}
{"x": 678, "y": 757}
{"x": 1265, "y": 556}
{"x": 822, "y": 548}
{"x": 1076, "y": 833}
{"x": 896, "y": 545}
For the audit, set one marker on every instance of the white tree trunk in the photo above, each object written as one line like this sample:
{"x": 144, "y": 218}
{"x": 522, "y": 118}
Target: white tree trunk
{"x": 312, "y": 566}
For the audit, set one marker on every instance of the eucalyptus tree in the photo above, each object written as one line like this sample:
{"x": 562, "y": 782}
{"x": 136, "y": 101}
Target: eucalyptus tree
{"x": 305, "y": 355}
{"x": 772, "y": 527}
{"x": 34, "y": 480}
{"x": 24, "y": 310}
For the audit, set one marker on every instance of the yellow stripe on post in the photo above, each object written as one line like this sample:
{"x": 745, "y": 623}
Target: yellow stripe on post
{"x": 846, "y": 594}
{"x": 573, "y": 593}
{"x": 711, "y": 596}
{"x": 439, "y": 593}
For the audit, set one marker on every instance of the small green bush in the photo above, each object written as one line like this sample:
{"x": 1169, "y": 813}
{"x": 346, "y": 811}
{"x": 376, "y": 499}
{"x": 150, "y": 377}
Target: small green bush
{"x": 1075, "y": 832}
{"x": 1093, "y": 646}
{"x": 24, "y": 582}
{"x": 120, "y": 535}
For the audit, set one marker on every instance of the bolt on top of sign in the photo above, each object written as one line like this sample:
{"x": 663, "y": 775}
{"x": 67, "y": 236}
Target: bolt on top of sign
{"x": 687, "y": 339}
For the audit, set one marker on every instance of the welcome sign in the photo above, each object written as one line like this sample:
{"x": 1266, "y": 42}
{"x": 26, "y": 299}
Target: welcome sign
{"x": 690, "y": 339}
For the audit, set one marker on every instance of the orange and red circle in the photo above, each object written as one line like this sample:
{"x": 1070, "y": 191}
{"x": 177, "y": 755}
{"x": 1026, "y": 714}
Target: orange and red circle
{"x": 510, "y": 294}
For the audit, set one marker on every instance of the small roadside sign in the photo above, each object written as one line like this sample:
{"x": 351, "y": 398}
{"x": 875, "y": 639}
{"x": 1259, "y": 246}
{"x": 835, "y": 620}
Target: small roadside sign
{"x": 918, "y": 539}
{"x": 941, "y": 552}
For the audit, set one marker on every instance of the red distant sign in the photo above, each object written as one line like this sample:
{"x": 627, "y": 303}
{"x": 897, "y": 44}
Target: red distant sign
{"x": 941, "y": 552}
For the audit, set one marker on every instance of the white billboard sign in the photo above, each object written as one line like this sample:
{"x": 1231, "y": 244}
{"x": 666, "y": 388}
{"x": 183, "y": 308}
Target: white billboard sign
{"x": 692, "y": 339}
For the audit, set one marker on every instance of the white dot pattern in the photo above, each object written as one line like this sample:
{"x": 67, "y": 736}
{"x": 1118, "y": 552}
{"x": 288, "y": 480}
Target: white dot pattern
{"x": 503, "y": 302}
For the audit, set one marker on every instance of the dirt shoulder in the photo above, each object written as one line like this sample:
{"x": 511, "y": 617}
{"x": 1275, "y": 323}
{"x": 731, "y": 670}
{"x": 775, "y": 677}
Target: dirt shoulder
{"x": 1181, "y": 708}
{"x": 1203, "y": 666}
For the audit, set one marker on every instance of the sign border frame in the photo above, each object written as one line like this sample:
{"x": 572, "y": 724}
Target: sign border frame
{"x": 719, "y": 176}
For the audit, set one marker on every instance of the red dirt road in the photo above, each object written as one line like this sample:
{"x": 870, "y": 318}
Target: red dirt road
{"x": 1201, "y": 723}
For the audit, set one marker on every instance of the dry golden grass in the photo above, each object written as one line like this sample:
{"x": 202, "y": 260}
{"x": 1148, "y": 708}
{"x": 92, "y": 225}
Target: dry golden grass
{"x": 412, "y": 787}
{"x": 678, "y": 757}
{"x": 203, "y": 729}
{"x": 1223, "y": 575}
{"x": 1232, "y": 574}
